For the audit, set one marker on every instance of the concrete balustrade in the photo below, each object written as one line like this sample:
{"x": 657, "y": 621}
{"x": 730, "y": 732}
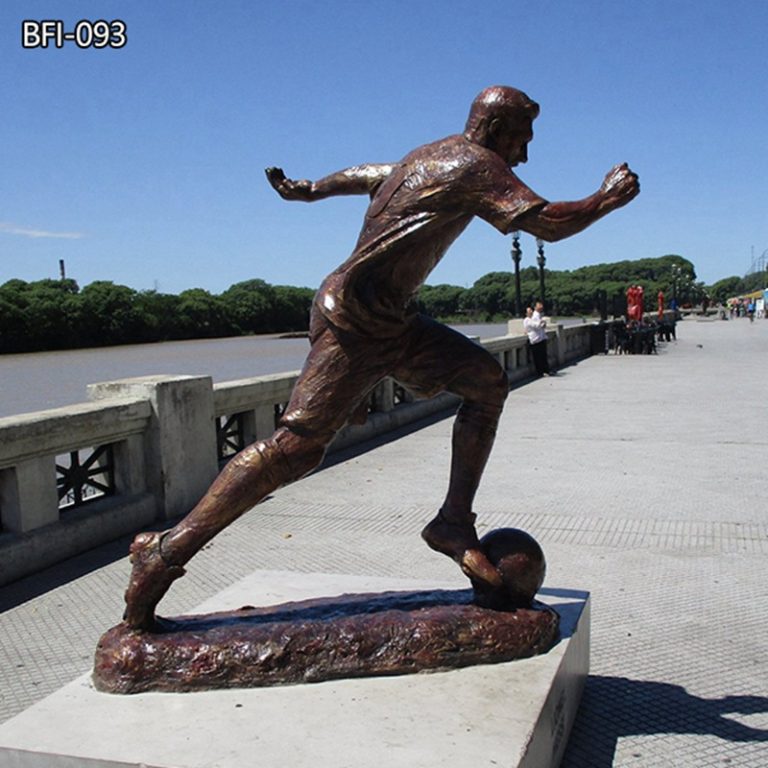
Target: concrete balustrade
{"x": 162, "y": 433}
{"x": 35, "y": 532}
{"x": 180, "y": 439}
{"x": 256, "y": 400}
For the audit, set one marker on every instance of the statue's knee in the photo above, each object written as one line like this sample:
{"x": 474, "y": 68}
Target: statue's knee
{"x": 302, "y": 453}
{"x": 284, "y": 457}
{"x": 497, "y": 388}
{"x": 483, "y": 407}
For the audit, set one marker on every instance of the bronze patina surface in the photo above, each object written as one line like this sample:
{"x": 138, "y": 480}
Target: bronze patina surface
{"x": 321, "y": 639}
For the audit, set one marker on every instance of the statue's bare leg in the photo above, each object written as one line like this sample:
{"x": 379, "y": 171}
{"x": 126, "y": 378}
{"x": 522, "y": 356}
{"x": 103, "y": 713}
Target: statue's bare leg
{"x": 452, "y": 532}
{"x": 441, "y": 358}
{"x": 158, "y": 558}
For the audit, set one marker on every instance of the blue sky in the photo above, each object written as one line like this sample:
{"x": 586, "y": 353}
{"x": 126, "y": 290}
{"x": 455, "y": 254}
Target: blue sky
{"x": 144, "y": 165}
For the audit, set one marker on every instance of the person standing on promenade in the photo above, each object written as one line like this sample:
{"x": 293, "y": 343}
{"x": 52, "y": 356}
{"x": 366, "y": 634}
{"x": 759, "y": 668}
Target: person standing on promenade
{"x": 364, "y": 327}
{"x": 536, "y": 328}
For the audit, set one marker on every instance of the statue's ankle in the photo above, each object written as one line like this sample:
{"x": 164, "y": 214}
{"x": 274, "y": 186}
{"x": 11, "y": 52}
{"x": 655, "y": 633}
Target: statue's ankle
{"x": 457, "y": 516}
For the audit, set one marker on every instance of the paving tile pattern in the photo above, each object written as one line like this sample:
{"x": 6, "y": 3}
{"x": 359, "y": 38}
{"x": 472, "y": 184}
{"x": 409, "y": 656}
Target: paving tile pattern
{"x": 642, "y": 478}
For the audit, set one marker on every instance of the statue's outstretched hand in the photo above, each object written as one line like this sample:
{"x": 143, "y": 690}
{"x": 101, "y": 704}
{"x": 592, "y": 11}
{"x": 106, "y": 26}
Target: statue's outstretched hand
{"x": 289, "y": 189}
{"x": 620, "y": 186}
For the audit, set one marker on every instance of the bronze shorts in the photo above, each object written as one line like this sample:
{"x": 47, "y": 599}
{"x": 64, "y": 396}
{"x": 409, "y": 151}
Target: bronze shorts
{"x": 342, "y": 368}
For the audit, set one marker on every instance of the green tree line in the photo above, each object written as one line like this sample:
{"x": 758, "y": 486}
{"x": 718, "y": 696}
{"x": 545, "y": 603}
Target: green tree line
{"x": 57, "y": 314}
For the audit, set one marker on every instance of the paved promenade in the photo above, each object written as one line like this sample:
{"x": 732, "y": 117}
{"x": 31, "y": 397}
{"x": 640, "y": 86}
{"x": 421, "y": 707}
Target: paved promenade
{"x": 644, "y": 479}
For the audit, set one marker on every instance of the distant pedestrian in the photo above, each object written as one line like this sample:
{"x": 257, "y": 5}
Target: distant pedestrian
{"x": 536, "y": 328}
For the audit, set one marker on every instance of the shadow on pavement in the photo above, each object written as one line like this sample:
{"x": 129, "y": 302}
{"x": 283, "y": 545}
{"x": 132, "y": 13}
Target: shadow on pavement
{"x": 615, "y": 707}
{"x": 57, "y": 575}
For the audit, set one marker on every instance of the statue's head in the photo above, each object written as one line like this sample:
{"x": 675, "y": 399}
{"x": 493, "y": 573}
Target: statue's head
{"x": 501, "y": 119}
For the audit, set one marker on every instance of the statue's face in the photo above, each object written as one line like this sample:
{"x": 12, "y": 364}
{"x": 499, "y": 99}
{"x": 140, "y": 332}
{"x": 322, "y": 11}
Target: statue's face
{"x": 512, "y": 143}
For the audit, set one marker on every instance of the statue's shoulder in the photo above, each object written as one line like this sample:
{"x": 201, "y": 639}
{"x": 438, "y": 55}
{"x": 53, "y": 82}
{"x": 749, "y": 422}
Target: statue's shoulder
{"x": 452, "y": 155}
{"x": 433, "y": 149}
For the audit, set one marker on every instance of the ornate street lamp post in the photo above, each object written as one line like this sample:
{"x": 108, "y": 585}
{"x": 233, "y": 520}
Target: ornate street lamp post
{"x": 516, "y": 256}
{"x": 675, "y": 276}
{"x": 541, "y": 261}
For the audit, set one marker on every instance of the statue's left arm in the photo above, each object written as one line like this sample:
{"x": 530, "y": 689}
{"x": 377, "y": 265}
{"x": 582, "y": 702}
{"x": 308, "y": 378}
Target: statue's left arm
{"x": 357, "y": 180}
{"x": 556, "y": 221}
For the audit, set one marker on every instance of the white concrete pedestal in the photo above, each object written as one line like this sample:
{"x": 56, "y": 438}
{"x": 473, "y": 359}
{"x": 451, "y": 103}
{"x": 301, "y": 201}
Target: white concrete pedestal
{"x": 513, "y": 714}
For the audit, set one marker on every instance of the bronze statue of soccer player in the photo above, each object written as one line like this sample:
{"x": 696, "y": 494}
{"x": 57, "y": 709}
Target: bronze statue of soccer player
{"x": 364, "y": 327}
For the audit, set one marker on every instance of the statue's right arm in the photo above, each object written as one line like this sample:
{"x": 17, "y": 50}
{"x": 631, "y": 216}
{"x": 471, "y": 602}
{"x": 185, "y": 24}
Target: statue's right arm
{"x": 358, "y": 180}
{"x": 559, "y": 220}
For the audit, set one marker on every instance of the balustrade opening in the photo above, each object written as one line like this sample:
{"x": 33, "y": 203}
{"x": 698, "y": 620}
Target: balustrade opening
{"x": 230, "y": 435}
{"x": 85, "y": 475}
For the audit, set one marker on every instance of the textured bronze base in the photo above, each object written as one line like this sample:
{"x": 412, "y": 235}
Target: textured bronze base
{"x": 321, "y": 639}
